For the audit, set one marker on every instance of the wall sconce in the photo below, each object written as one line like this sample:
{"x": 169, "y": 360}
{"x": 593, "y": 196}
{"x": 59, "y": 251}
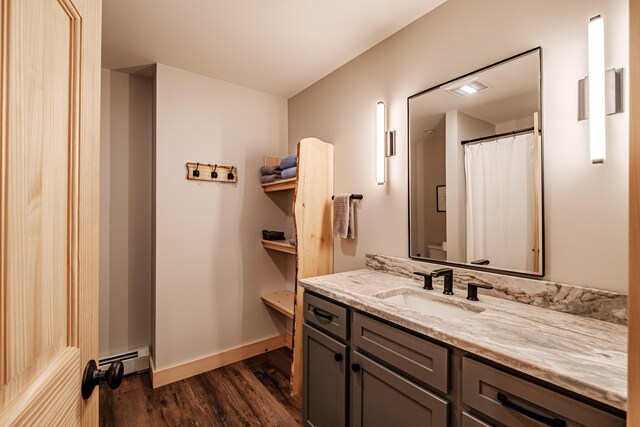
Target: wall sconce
{"x": 599, "y": 94}
{"x": 385, "y": 143}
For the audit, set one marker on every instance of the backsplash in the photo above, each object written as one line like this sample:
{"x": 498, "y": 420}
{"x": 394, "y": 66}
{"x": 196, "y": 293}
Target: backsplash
{"x": 593, "y": 303}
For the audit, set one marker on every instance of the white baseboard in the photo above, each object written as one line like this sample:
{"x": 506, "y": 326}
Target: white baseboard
{"x": 188, "y": 369}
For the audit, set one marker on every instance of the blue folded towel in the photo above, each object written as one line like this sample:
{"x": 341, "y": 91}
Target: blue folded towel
{"x": 289, "y": 161}
{"x": 289, "y": 173}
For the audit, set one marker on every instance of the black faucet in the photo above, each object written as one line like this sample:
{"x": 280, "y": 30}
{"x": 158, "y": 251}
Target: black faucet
{"x": 472, "y": 290}
{"x": 428, "y": 280}
{"x": 447, "y": 273}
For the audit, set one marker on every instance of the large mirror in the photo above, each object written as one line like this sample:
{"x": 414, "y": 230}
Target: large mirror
{"x": 475, "y": 169}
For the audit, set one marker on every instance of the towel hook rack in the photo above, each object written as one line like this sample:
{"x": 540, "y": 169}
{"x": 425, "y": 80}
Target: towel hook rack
{"x": 212, "y": 173}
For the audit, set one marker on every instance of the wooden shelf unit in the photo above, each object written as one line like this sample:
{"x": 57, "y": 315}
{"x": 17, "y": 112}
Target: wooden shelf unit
{"x": 281, "y": 301}
{"x": 280, "y": 185}
{"x": 312, "y": 216}
{"x": 279, "y": 245}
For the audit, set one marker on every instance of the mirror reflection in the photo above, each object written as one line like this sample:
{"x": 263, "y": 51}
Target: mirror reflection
{"x": 475, "y": 169}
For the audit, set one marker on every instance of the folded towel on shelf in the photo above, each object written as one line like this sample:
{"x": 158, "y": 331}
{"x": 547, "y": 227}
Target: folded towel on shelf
{"x": 343, "y": 221}
{"x": 265, "y": 179}
{"x": 289, "y": 173}
{"x": 270, "y": 170}
{"x": 272, "y": 235}
{"x": 289, "y": 161}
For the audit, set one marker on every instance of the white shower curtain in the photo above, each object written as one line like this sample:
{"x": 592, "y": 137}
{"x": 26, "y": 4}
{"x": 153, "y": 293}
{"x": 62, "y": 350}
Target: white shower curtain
{"x": 500, "y": 202}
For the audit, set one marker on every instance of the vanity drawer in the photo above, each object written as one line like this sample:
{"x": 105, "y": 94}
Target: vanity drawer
{"x": 506, "y": 398}
{"x": 414, "y": 356}
{"x": 326, "y": 315}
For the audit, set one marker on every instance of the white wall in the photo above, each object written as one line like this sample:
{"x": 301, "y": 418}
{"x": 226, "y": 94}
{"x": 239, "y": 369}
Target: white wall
{"x": 125, "y": 212}
{"x": 585, "y": 205}
{"x": 210, "y": 268}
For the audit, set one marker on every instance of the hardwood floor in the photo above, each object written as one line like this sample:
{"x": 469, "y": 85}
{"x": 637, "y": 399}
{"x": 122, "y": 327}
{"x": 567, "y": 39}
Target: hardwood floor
{"x": 254, "y": 392}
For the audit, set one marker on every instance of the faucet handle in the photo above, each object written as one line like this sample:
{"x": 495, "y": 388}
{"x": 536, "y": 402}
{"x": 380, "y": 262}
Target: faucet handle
{"x": 472, "y": 290}
{"x": 428, "y": 280}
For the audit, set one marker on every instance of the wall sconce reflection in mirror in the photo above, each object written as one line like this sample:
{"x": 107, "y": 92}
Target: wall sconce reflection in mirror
{"x": 600, "y": 93}
{"x": 385, "y": 143}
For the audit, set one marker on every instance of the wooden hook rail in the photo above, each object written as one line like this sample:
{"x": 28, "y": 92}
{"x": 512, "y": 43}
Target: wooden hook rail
{"x": 212, "y": 173}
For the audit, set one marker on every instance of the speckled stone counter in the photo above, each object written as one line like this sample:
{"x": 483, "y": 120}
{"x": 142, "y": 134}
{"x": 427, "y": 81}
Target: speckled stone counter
{"x": 587, "y": 302}
{"x": 584, "y": 355}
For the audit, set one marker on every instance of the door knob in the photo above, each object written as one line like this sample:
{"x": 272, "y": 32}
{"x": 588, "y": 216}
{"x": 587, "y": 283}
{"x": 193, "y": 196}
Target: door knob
{"x": 93, "y": 376}
{"x": 337, "y": 357}
{"x": 355, "y": 367}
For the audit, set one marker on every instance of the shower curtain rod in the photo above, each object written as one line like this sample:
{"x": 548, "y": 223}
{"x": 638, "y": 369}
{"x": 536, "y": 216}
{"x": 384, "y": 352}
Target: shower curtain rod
{"x": 498, "y": 135}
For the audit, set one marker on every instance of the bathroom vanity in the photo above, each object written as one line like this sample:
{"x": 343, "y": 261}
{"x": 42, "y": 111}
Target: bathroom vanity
{"x": 380, "y": 350}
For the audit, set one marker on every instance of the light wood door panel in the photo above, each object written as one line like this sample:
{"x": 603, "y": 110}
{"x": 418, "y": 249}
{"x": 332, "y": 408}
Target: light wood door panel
{"x": 633, "y": 403}
{"x": 48, "y": 213}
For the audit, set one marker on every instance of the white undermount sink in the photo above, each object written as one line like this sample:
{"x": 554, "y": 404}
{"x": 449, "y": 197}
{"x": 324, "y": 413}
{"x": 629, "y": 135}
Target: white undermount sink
{"x": 429, "y": 306}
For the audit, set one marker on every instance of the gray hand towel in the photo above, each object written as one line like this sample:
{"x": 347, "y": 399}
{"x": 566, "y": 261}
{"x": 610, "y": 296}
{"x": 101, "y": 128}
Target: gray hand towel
{"x": 265, "y": 179}
{"x": 343, "y": 222}
{"x": 270, "y": 170}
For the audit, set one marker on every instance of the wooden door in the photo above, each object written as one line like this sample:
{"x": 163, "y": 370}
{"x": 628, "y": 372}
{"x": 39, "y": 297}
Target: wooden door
{"x": 633, "y": 403}
{"x": 49, "y": 122}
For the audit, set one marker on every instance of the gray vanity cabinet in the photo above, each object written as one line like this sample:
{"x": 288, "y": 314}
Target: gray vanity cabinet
{"x": 361, "y": 371}
{"x": 380, "y": 397}
{"x": 324, "y": 371}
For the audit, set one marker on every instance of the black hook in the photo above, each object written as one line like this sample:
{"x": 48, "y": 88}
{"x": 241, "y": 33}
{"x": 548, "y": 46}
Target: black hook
{"x": 214, "y": 174}
{"x": 196, "y": 172}
{"x": 230, "y": 175}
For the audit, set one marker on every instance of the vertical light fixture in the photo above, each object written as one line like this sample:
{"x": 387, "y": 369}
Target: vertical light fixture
{"x": 380, "y": 143}
{"x": 597, "y": 131}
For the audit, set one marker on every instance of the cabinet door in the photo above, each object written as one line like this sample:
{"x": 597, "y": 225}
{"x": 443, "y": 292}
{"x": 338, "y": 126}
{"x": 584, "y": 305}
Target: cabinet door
{"x": 324, "y": 370}
{"x": 380, "y": 397}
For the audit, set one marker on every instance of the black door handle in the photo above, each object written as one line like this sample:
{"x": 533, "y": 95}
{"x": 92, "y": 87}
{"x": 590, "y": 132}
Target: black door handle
{"x": 322, "y": 314}
{"x": 93, "y": 376}
{"x": 338, "y": 357}
{"x": 355, "y": 367}
{"x": 554, "y": 422}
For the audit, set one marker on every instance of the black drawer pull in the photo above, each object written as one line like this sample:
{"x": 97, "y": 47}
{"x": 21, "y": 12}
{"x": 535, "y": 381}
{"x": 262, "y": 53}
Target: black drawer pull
{"x": 554, "y": 422}
{"x": 355, "y": 367}
{"x": 337, "y": 357}
{"x": 323, "y": 314}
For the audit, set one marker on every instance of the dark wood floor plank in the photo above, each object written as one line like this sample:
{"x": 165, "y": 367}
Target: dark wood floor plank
{"x": 249, "y": 393}
{"x": 266, "y": 407}
{"x": 126, "y": 399}
{"x": 230, "y": 407}
{"x": 277, "y": 383}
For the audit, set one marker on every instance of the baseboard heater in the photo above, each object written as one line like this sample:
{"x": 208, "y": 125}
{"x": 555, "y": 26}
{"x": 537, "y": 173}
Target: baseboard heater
{"x": 134, "y": 361}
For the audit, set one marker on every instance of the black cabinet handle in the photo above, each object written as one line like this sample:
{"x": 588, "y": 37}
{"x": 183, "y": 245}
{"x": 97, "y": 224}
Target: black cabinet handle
{"x": 355, "y": 367}
{"x": 322, "y": 314}
{"x": 338, "y": 357}
{"x": 554, "y": 422}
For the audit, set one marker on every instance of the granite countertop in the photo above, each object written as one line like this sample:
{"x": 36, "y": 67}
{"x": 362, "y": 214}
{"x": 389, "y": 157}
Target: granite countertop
{"x": 583, "y": 355}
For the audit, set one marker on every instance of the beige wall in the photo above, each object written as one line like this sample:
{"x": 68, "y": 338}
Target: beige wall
{"x": 125, "y": 212}
{"x": 210, "y": 267}
{"x": 586, "y": 205}
{"x": 429, "y": 168}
